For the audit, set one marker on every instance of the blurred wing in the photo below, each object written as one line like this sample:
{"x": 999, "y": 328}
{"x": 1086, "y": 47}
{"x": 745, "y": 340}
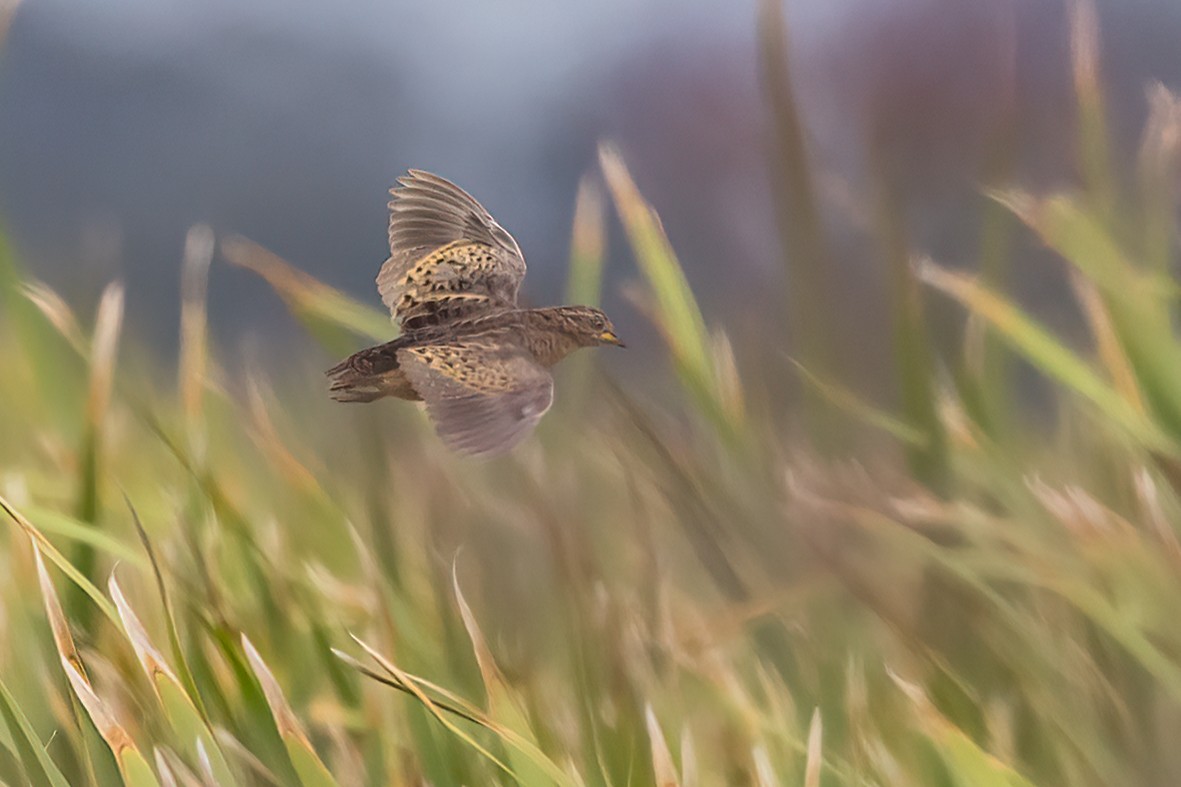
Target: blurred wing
{"x": 448, "y": 257}
{"x": 483, "y": 396}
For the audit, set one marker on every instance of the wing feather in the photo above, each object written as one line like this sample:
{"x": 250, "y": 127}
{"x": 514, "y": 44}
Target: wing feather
{"x": 483, "y": 396}
{"x": 442, "y": 242}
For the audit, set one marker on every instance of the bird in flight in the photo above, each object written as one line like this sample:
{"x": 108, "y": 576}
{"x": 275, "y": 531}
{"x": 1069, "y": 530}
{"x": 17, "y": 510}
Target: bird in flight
{"x": 479, "y": 361}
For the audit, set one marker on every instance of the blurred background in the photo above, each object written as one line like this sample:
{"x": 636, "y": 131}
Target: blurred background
{"x": 124, "y": 122}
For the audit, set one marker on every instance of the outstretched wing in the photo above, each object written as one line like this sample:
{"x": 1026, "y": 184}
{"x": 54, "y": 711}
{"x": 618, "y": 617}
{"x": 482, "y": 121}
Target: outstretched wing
{"x": 483, "y": 396}
{"x": 448, "y": 257}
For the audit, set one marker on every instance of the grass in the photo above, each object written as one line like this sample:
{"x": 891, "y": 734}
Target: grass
{"x": 229, "y": 580}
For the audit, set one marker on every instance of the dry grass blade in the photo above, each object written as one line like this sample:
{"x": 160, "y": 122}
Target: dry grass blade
{"x": 409, "y": 682}
{"x": 285, "y": 719}
{"x": 1160, "y": 148}
{"x": 58, "y": 312}
{"x": 1084, "y": 47}
{"x": 689, "y": 768}
{"x": 815, "y": 756}
{"x": 204, "y": 762}
{"x": 307, "y": 297}
{"x": 199, "y": 244}
{"x": 7, "y": 11}
{"x": 180, "y": 708}
{"x": 1159, "y": 160}
{"x": 150, "y": 659}
{"x": 764, "y": 770}
{"x": 516, "y": 742}
{"x": 167, "y": 778}
{"x": 266, "y": 436}
{"x": 662, "y": 760}
{"x": 494, "y": 681}
{"x": 730, "y": 392}
{"x": 174, "y": 773}
{"x": 107, "y": 325}
{"x": 311, "y": 769}
{"x": 232, "y": 745}
{"x": 186, "y": 674}
{"x": 57, "y": 619}
{"x": 385, "y": 680}
{"x": 1084, "y": 52}
{"x": 104, "y": 720}
{"x": 587, "y": 241}
{"x": 132, "y": 766}
{"x": 505, "y": 707}
{"x": 584, "y": 276}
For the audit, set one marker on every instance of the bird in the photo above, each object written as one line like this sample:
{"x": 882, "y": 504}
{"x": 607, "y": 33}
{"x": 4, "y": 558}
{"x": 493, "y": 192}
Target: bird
{"x": 479, "y": 361}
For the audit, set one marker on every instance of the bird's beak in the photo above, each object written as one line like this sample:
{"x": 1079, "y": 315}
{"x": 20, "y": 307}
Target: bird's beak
{"x": 609, "y": 337}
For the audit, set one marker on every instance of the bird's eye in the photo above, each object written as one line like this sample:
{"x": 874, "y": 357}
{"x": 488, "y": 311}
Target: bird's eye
{"x": 599, "y": 324}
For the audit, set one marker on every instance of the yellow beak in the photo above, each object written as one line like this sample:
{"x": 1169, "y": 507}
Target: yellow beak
{"x": 609, "y": 337}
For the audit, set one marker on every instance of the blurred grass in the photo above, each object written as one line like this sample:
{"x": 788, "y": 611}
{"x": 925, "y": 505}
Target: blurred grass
{"x": 807, "y": 257}
{"x": 651, "y": 591}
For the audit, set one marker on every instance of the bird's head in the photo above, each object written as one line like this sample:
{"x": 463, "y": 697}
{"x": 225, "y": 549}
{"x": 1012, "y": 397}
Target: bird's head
{"x": 590, "y": 326}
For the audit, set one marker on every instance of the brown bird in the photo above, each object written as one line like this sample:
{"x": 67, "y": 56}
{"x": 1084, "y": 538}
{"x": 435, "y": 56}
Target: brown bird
{"x": 479, "y": 361}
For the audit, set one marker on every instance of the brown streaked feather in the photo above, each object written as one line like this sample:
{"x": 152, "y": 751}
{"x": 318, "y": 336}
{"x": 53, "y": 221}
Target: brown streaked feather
{"x": 448, "y": 257}
{"x": 370, "y": 374}
{"x": 483, "y": 396}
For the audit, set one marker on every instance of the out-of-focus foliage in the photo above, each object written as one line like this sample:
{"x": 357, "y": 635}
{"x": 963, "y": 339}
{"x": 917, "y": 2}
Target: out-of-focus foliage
{"x": 230, "y": 580}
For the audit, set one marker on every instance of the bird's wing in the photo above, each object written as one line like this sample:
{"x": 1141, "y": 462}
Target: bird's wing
{"x": 483, "y": 395}
{"x": 448, "y": 257}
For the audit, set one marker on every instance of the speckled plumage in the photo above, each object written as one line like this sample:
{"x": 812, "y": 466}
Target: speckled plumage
{"x": 480, "y": 363}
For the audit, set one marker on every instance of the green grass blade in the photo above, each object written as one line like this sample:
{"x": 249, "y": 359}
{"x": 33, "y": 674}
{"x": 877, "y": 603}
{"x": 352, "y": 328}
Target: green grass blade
{"x": 969, "y": 765}
{"x": 411, "y": 685}
{"x": 849, "y": 402}
{"x": 914, "y": 361}
{"x": 530, "y": 764}
{"x": 807, "y": 256}
{"x": 49, "y": 550}
{"x": 56, "y": 523}
{"x": 675, "y": 307}
{"x": 182, "y": 713}
{"x": 312, "y": 771}
{"x": 108, "y": 325}
{"x": 38, "y": 767}
{"x": 1139, "y": 301}
{"x": 1045, "y": 352}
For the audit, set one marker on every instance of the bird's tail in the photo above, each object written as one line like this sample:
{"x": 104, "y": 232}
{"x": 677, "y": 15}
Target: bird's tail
{"x": 358, "y": 378}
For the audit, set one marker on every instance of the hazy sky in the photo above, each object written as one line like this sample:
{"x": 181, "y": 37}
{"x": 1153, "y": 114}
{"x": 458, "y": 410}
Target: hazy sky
{"x": 123, "y": 122}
